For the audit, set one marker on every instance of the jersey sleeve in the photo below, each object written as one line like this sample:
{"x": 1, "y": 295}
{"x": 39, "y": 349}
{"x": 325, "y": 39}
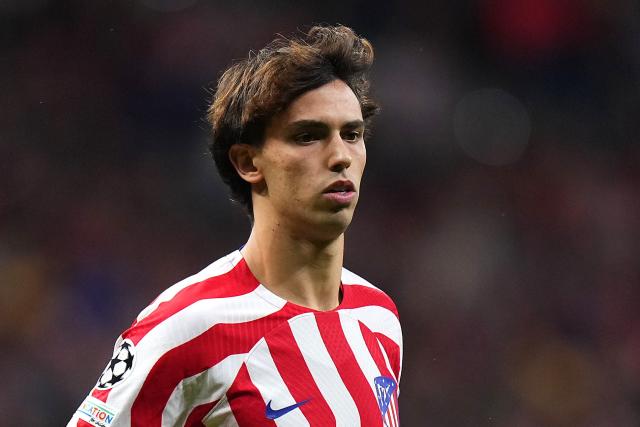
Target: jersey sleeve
{"x": 155, "y": 375}
{"x": 141, "y": 385}
{"x": 95, "y": 410}
{"x": 390, "y": 337}
{"x": 394, "y": 347}
{"x": 176, "y": 360}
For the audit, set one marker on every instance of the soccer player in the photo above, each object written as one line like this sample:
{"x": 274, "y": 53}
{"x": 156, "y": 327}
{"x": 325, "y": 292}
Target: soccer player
{"x": 277, "y": 333}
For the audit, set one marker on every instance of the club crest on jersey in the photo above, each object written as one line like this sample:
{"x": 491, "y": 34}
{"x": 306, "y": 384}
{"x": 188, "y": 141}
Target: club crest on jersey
{"x": 385, "y": 387}
{"x": 119, "y": 367}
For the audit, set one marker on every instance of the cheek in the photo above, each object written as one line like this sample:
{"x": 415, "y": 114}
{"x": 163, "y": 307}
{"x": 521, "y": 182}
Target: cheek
{"x": 301, "y": 177}
{"x": 288, "y": 174}
{"x": 360, "y": 158}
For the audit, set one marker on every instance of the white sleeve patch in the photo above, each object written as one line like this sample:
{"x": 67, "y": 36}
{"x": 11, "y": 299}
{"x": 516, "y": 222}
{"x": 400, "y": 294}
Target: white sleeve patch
{"x": 96, "y": 412}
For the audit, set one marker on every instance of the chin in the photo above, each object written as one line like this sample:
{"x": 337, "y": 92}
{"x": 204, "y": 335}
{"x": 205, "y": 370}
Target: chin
{"x": 321, "y": 225}
{"x": 333, "y": 226}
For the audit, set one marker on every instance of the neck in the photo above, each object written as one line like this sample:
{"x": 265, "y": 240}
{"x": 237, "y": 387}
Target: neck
{"x": 301, "y": 271}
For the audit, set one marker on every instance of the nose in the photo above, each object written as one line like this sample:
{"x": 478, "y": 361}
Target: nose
{"x": 339, "y": 154}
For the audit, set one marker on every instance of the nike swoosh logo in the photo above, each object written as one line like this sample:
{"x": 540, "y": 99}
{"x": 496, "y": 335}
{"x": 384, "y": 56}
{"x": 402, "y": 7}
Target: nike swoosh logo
{"x": 272, "y": 414}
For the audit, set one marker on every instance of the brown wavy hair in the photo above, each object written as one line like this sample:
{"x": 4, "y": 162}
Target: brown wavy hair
{"x": 257, "y": 88}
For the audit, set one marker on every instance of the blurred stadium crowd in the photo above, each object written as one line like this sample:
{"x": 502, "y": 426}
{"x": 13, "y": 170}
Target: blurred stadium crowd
{"x": 500, "y": 209}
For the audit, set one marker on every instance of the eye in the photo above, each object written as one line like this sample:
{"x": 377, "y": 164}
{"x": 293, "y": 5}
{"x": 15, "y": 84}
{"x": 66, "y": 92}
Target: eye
{"x": 305, "y": 138}
{"x": 352, "y": 136}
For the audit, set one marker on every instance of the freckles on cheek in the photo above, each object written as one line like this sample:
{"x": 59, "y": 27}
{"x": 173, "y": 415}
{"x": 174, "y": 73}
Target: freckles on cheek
{"x": 285, "y": 175}
{"x": 292, "y": 167}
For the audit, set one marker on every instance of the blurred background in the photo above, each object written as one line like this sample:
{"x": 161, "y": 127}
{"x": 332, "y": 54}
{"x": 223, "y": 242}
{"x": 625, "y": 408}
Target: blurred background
{"x": 500, "y": 207}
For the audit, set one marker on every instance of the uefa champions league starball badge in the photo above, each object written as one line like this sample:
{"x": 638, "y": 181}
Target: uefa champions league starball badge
{"x": 119, "y": 367}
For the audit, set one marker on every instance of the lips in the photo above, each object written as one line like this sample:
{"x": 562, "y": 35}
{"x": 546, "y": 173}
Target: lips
{"x": 342, "y": 186}
{"x": 341, "y": 193}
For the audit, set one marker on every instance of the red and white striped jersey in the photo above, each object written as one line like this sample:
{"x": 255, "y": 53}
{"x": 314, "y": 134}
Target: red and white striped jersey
{"x": 220, "y": 349}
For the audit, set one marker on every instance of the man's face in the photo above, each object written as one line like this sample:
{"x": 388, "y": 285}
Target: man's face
{"x": 312, "y": 161}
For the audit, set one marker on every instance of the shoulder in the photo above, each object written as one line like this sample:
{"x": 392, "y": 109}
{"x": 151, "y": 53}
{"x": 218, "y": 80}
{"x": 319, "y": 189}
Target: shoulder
{"x": 377, "y": 311}
{"x": 223, "y": 292}
{"x": 174, "y": 343}
{"x": 370, "y": 305}
{"x": 364, "y": 293}
{"x": 192, "y": 285}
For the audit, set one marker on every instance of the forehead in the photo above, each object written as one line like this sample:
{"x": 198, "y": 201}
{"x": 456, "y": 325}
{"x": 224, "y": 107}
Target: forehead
{"x": 333, "y": 103}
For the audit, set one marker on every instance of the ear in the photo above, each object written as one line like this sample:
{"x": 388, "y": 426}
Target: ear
{"x": 242, "y": 158}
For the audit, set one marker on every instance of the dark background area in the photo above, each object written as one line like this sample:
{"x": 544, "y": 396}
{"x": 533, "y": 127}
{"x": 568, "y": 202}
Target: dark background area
{"x": 500, "y": 206}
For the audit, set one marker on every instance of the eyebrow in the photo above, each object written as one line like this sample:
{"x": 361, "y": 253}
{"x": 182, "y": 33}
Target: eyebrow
{"x": 306, "y": 124}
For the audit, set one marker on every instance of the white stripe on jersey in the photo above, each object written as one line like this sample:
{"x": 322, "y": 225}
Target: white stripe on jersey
{"x": 266, "y": 378}
{"x": 381, "y": 320}
{"x": 324, "y": 371}
{"x": 205, "y": 387}
{"x": 223, "y": 415}
{"x": 217, "y": 268}
{"x": 350, "y": 278}
{"x": 73, "y": 422}
{"x": 178, "y": 329}
{"x": 378, "y": 319}
{"x": 352, "y": 332}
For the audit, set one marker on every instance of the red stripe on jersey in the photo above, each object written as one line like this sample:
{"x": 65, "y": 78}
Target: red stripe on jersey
{"x": 246, "y": 402}
{"x": 372, "y": 344}
{"x": 393, "y": 351}
{"x": 347, "y": 365}
{"x": 83, "y": 423}
{"x": 100, "y": 394}
{"x": 194, "y": 357}
{"x": 238, "y": 281}
{"x": 195, "y": 417}
{"x": 296, "y": 375}
{"x": 356, "y": 296}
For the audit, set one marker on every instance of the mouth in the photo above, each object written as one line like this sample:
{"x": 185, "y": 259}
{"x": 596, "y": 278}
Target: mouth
{"x": 342, "y": 186}
{"x": 341, "y": 193}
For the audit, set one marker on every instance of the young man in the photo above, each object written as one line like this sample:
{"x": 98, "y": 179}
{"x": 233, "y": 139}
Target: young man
{"x": 277, "y": 333}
